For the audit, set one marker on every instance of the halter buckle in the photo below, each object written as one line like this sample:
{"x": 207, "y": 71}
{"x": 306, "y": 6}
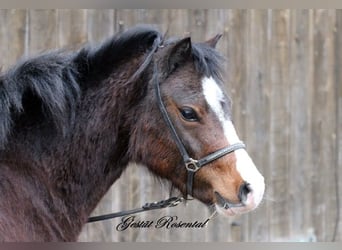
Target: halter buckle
{"x": 192, "y": 165}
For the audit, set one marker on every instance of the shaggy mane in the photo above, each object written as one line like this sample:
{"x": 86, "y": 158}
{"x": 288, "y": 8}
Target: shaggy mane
{"x": 53, "y": 82}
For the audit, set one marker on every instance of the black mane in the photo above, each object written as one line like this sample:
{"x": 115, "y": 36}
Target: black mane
{"x": 52, "y": 83}
{"x": 47, "y": 82}
{"x": 49, "y": 86}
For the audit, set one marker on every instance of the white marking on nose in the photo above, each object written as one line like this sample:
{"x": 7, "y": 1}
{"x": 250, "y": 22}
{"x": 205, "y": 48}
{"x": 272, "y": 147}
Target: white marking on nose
{"x": 244, "y": 164}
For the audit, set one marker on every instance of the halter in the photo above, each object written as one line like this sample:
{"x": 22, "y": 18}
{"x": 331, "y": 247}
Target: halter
{"x": 191, "y": 165}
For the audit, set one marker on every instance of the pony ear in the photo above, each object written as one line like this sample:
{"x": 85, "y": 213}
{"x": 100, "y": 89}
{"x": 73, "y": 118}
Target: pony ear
{"x": 213, "y": 41}
{"x": 179, "y": 53}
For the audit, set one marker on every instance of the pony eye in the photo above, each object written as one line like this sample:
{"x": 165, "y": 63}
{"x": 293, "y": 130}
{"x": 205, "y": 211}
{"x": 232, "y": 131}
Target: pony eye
{"x": 189, "y": 114}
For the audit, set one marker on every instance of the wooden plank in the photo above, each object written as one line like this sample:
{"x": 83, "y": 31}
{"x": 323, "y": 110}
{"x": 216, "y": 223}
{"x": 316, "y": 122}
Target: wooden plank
{"x": 4, "y": 48}
{"x": 42, "y": 31}
{"x": 337, "y": 222}
{"x": 323, "y": 124}
{"x": 72, "y": 28}
{"x": 100, "y": 24}
{"x": 217, "y": 21}
{"x": 279, "y": 120}
{"x": 235, "y": 46}
{"x": 197, "y": 24}
{"x": 13, "y": 34}
{"x": 132, "y": 18}
{"x": 177, "y": 23}
{"x": 299, "y": 154}
{"x": 257, "y": 119}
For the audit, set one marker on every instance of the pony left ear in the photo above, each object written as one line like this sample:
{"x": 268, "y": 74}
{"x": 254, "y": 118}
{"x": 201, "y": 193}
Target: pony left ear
{"x": 213, "y": 41}
{"x": 179, "y": 53}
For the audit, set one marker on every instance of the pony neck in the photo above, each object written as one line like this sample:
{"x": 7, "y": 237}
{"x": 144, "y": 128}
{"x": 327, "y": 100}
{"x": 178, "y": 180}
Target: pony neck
{"x": 83, "y": 166}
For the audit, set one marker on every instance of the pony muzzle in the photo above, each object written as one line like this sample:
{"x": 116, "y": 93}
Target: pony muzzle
{"x": 245, "y": 202}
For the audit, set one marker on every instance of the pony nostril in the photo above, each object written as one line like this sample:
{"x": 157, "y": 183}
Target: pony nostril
{"x": 244, "y": 190}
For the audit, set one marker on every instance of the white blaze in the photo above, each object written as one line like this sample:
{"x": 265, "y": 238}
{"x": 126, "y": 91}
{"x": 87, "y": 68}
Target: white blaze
{"x": 244, "y": 164}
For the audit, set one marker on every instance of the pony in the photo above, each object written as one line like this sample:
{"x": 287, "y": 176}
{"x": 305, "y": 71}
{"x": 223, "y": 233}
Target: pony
{"x": 71, "y": 122}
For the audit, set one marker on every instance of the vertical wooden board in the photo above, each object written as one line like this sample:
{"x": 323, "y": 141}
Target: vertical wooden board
{"x": 337, "y": 235}
{"x": 4, "y": 48}
{"x": 144, "y": 196}
{"x": 13, "y": 34}
{"x": 132, "y": 18}
{"x": 197, "y": 24}
{"x": 100, "y": 24}
{"x": 158, "y": 18}
{"x": 237, "y": 42}
{"x": 134, "y": 194}
{"x": 127, "y": 18}
{"x": 279, "y": 120}
{"x": 257, "y": 113}
{"x": 323, "y": 124}
{"x": 177, "y": 23}
{"x": 217, "y": 20}
{"x": 234, "y": 42}
{"x": 42, "y": 31}
{"x": 72, "y": 28}
{"x": 126, "y": 188}
{"x": 120, "y": 190}
{"x": 300, "y": 126}
{"x": 329, "y": 128}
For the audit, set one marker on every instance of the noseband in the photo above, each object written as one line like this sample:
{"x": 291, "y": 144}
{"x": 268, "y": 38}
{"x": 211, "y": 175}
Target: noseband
{"x": 191, "y": 165}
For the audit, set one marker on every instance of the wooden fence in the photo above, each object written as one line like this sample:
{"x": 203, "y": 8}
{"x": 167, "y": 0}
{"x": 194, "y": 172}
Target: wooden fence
{"x": 284, "y": 74}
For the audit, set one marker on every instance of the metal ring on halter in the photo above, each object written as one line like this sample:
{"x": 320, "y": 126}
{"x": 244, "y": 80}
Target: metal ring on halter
{"x": 192, "y": 165}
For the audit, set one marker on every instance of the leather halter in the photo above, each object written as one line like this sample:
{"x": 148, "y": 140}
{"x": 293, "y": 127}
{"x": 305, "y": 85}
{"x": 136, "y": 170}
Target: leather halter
{"x": 191, "y": 165}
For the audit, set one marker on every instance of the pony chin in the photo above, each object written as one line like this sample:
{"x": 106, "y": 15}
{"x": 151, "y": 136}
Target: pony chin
{"x": 251, "y": 204}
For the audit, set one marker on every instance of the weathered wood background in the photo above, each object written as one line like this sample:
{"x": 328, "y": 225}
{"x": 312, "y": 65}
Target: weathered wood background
{"x": 284, "y": 74}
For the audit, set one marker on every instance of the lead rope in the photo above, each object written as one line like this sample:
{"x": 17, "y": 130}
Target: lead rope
{"x": 171, "y": 202}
